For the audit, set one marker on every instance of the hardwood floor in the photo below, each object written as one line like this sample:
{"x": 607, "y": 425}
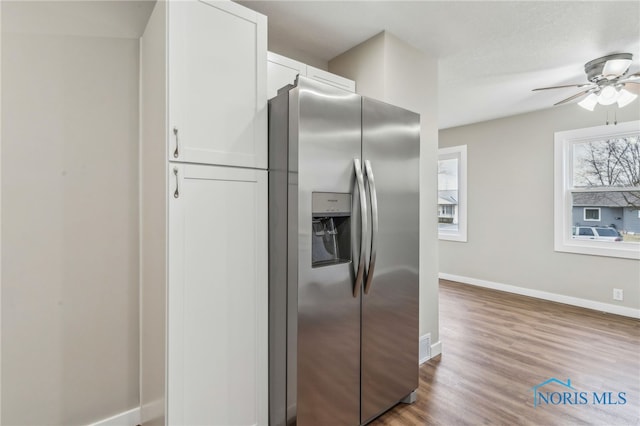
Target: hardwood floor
{"x": 498, "y": 346}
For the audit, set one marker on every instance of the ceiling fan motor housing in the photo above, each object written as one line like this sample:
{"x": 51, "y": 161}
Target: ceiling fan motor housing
{"x": 594, "y": 68}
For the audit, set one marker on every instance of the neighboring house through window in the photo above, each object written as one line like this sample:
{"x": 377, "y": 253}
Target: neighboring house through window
{"x": 452, "y": 193}
{"x": 597, "y": 185}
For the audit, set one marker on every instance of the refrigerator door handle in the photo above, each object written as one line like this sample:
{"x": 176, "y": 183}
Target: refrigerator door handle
{"x": 364, "y": 225}
{"x": 374, "y": 225}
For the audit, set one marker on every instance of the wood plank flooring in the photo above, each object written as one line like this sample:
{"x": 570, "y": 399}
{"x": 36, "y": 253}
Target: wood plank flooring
{"x": 498, "y": 346}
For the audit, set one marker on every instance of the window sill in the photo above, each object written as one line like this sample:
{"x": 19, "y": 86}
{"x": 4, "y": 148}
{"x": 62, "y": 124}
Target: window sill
{"x": 453, "y": 237}
{"x": 623, "y": 250}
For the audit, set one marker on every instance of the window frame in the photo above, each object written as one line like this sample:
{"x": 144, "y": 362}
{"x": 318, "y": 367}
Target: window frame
{"x": 584, "y": 214}
{"x": 459, "y": 152}
{"x": 563, "y": 202}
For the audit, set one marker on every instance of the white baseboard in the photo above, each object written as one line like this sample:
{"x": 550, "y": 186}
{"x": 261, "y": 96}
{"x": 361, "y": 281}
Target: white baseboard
{"x": 539, "y": 294}
{"x": 128, "y": 418}
{"x": 436, "y": 349}
{"x": 153, "y": 411}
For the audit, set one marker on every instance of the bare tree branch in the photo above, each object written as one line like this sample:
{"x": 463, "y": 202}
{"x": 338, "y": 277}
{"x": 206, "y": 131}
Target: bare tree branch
{"x": 614, "y": 162}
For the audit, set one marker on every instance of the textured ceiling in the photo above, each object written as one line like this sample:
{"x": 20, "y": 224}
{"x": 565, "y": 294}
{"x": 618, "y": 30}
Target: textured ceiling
{"x": 490, "y": 54}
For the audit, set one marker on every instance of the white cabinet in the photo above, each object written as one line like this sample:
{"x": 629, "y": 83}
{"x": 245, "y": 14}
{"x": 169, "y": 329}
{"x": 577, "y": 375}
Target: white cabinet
{"x": 217, "y": 100}
{"x": 332, "y": 79}
{"x": 217, "y": 300}
{"x": 282, "y": 71}
{"x": 203, "y": 227}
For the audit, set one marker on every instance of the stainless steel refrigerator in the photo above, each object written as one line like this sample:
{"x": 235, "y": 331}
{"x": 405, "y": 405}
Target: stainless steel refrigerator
{"x": 343, "y": 276}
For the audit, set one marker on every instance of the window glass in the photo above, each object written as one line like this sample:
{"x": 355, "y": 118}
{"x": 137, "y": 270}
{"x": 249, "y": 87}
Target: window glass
{"x": 586, "y": 231}
{"x": 452, "y": 181}
{"x": 448, "y": 195}
{"x": 607, "y": 163}
{"x": 607, "y": 232}
{"x": 601, "y": 169}
{"x": 591, "y": 214}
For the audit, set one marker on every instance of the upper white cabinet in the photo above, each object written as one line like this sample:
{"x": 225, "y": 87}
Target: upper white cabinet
{"x": 332, "y": 79}
{"x": 217, "y": 101}
{"x": 282, "y": 71}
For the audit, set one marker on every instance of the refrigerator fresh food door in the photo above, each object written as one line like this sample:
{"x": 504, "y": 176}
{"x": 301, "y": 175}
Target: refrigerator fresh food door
{"x": 391, "y": 153}
{"x": 324, "y": 387}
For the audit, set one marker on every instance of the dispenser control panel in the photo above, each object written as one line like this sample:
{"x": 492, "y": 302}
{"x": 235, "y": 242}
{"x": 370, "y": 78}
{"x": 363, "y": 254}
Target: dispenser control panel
{"x": 331, "y": 204}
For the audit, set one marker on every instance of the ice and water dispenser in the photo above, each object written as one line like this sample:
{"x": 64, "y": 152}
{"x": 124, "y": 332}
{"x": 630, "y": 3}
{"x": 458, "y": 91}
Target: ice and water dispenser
{"x": 331, "y": 228}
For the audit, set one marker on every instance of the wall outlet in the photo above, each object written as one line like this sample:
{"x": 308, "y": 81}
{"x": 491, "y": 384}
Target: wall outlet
{"x": 617, "y": 294}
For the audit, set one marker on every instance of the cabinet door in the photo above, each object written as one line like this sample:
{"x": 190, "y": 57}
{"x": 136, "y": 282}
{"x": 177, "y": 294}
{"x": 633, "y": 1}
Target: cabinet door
{"x": 217, "y": 84}
{"x": 282, "y": 71}
{"x": 332, "y": 79}
{"x": 217, "y": 296}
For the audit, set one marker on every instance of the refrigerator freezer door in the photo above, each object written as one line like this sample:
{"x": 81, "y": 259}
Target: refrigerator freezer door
{"x": 391, "y": 138}
{"x": 324, "y": 388}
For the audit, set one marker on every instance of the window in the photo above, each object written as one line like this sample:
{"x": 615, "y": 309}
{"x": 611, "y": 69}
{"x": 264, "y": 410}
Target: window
{"x": 607, "y": 232}
{"x": 592, "y": 214}
{"x": 586, "y": 232}
{"x": 452, "y": 193}
{"x": 446, "y": 211}
{"x": 597, "y": 190}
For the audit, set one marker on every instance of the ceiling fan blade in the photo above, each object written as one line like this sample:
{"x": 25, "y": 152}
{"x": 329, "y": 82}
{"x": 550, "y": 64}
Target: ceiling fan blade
{"x": 560, "y": 87}
{"x": 570, "y": 98}
{"x": 630, "y": 77}
{"x": 615, "y": 68}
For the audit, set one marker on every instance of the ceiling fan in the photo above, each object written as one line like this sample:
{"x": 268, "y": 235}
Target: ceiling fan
{"x": 607, "y": 79}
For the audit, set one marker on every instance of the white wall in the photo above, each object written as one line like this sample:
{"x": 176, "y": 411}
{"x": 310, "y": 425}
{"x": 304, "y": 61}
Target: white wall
{"x": 69, "y": 228}
{"x": 0, "y": 214}
{"x": 365, "y": 64}
{"x": 386, "y": 68}
{"x": 510, "y": 210}
{"x": 153, "y": 219}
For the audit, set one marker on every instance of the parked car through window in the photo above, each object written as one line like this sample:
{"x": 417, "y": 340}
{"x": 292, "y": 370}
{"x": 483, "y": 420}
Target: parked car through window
{"x": 596, "y": 233}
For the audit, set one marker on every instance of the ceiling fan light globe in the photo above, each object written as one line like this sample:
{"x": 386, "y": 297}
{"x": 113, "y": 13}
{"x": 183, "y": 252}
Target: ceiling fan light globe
{"x": 590, "y": 102}
{"x": 625, "y": 98}
{"x": 608, "y": 95}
